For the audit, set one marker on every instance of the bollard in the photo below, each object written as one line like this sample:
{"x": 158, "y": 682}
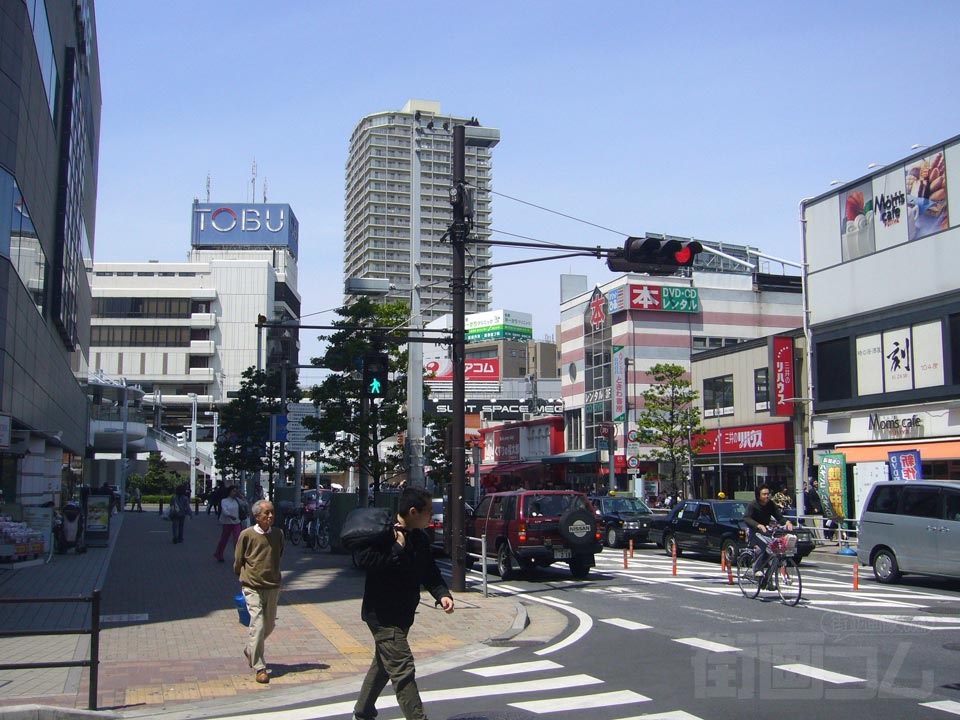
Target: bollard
{"x": 631, "y": 547}
{"x": 626, "y": 563}
{"x": 674, "y": 554}
{"x": 723, "y": 561}
{"x": 856, "y": 576}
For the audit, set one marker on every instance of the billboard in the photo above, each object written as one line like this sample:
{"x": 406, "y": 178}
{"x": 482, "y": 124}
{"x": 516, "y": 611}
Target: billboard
{"x": 486, "y": 369}
{"x": 499, "y": 325}
{"x": 256, "y": 224}
{"x": 783, "y": 379}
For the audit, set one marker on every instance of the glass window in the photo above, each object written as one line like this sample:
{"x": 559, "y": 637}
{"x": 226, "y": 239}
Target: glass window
{"x": 718, "y": 396}
{"x": 885, "y": 499}
{"x": 952, "y": 498}
{"x": 761, "y": 387}
{"x": 921, "y": 502}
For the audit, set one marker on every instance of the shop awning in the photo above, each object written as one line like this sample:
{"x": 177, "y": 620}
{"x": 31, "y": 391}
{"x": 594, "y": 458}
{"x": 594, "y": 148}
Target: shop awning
{"x": 572, "y": 456}
{"x": 506, "y": 468}
{"x": 936, "y": 450}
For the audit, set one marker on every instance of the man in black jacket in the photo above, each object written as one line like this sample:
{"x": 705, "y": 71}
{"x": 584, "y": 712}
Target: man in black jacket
{"x": 757, "y": 516}
{"x": 395, "y": 572}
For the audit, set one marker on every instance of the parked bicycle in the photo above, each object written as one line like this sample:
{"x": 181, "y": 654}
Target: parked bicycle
{"x": 780, "y": 571}
{"x": 293, "y": 526}
{"x": 317, "y": 530}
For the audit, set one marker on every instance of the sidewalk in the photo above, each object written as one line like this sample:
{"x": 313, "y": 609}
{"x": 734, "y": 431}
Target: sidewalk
{"x": 170, "y": 630}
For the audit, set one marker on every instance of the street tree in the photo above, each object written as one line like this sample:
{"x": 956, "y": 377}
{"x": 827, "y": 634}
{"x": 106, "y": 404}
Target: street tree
{"x": 670, "y": 420}
{"x": 339, "y": 394}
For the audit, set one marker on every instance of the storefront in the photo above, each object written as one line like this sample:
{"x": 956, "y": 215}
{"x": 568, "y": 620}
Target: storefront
{"x": 738, "y": 459}
{"x": 513, "y": 454}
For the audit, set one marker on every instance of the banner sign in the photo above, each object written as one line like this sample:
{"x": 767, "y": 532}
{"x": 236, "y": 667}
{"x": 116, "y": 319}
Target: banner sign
{"x": 497, "y": 409}
{"x": 782, "y": 366}
{"x": 664, "y": 298}
{"x": 832, "y": 485}
{"x": 499, "y": 325}
{"x": 485, "y": 370}
{"x": 749, "y": 438}
{"x": 619, "y": 383}
{"x": 905, "y": 465}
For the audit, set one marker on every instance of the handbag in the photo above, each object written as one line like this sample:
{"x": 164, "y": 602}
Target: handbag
{"x": 365, "y": 527}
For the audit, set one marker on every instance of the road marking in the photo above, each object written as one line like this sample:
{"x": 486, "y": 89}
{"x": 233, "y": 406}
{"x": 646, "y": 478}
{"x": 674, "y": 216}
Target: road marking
{"x": 515, "y": 668}
{"x": 949, "y": 706}
{"x": 672, "y": 715}
{"x": 390, "y": 701}
{"x": 581, "y": 702}
{"x": 861, "y": 603}
{"x": 819, "y": 674}
{"x": 627, "y": 624}
{"x": 707, "y": 645}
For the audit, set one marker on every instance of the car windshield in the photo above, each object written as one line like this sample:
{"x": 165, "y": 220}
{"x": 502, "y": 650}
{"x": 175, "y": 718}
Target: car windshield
{"x": 624, "y": 505}
{"x": 727, "y": 512}
{"x": 552, "y": 505}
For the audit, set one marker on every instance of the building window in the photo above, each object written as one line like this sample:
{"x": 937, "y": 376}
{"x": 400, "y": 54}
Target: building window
{"x": 199, "y": 361}
{"x": 718, "y": 396}
{"x": 834, "y": 376}
{"x": 128, "y": 336}
{"x": 761, "y": 389}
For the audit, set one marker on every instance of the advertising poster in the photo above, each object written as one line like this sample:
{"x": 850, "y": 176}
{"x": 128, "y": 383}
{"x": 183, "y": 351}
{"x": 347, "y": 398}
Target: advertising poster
{"x": 865, "y": 476}
{"x": 98, "y": 513}
{"x": 897, "y": 360}
{"x": 890, "y": 205}
{"x": 619, "y": 383}
{"x": 832, "y": 485}
{"x": 857, "y": 236}
{"x": 926, "y": 184}
{"x": 905, "y": 465}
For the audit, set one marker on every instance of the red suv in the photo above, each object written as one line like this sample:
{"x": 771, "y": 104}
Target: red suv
{"x": 536, "y": 528}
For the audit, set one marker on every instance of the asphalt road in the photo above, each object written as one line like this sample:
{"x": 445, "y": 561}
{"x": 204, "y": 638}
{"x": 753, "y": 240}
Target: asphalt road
{"x": 643, "y": 643}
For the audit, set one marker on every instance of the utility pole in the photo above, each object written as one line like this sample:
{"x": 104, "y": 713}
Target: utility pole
{"x": 458, "y": 239}
{"x": 414, "y": 437}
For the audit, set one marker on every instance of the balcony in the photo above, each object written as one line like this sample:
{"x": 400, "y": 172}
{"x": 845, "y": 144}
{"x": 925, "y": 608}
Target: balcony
{"x": 203, "y": 321}
{"x": 202, "y": 347}
{"x": 201, "y": 375}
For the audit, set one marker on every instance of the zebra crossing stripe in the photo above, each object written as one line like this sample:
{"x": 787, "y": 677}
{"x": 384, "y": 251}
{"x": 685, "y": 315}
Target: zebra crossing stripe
{"x": 672, "y": 715}
{"x": 625, "y": 624}
{"x": 706, "y": 645}
{"x": 515, "y": 668}
{"x": 819, "y": 674}
{"x": 949, "y": 706}
{"x": 581, "y": 702}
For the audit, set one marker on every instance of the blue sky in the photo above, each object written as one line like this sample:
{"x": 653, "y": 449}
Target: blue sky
{"x": 700, "y": 119}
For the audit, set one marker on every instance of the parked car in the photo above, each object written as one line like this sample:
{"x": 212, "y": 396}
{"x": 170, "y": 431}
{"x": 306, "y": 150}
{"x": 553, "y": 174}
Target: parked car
{"x": 911, "y": 527}
{"x": 536, "y": 528}
{"x": 435, "y": 530}
{"x": 712, "y": 527}
{"x": 622, "y": 518}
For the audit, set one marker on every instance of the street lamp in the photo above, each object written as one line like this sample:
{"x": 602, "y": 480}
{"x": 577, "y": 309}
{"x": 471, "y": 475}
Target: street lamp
{"x": 193, "y": 444}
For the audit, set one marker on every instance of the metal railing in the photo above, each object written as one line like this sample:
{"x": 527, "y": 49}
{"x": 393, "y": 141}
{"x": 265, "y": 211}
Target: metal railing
{"x": 482, "y": 557}
{"x": 92, "y": 662}
{"x": 844, "y": 532}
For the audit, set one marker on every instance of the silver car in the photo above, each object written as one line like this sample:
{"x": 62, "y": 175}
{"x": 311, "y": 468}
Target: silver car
{"x": 911, "y": 527}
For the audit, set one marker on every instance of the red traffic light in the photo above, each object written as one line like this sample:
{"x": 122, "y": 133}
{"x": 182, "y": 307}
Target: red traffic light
{"x": 655, "y": 255}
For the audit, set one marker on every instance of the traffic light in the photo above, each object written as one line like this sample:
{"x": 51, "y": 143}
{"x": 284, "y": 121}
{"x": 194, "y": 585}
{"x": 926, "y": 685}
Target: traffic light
{"x": 375, "y": 369}
{"x": 655, "y": 255}
{"x": 182, "y": 439}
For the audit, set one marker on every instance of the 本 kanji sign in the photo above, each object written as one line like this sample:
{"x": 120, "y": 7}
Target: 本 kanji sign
{"x": 665, "y": 298}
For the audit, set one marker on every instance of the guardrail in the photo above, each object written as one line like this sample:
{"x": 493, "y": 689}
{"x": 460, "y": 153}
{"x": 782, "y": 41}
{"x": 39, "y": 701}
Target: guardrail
{"x": 92, "y": 662}
{"x": 482, "y": 556}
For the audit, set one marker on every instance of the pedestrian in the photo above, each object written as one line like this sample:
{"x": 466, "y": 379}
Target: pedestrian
{"x": 136, "y": 499}
{"x": 179, "y": 511}
{"x": 256, "y": 561}
{"x": 214, "y": 497}
{"x": 813, "y": 507}
{"x": 229, "y": 521}
{"x": 391, "y": 593}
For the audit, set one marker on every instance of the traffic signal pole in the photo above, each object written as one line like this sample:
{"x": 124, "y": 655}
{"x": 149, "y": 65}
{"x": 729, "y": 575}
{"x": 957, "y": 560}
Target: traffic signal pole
{"x": 458, "y": 239}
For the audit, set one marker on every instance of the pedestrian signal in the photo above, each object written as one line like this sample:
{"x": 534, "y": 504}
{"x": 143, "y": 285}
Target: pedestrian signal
{"x": 376, "y": 368}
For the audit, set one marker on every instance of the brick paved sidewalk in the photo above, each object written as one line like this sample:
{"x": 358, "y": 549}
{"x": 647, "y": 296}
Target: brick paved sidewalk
{"x": 171, "y": 632}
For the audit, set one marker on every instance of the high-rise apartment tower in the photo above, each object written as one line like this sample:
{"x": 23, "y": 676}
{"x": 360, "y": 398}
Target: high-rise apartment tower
{"x": 382, "y": 189}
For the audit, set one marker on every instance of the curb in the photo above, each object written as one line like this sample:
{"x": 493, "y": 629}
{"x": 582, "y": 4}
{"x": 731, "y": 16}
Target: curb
{"x": 520, "y": 622}
{"x": 49, "y": 712}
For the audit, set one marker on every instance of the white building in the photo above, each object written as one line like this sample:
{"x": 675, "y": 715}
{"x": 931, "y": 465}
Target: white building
{"x": 385, "y": 197}
{"x": 182, "y": 328}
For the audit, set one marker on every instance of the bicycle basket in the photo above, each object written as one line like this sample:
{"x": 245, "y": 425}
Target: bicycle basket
{"x": 784, "y": 545}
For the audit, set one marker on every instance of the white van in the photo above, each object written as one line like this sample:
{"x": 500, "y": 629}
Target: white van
{"x": 911, "y": 527}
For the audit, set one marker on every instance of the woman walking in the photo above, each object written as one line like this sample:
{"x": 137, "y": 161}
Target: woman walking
{"x": 229, "y": 521}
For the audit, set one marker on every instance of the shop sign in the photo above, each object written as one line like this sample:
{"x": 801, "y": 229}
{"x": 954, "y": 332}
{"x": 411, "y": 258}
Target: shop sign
{"x": 745, "y": 439}
{"x": 832, "y": 484}
{"x": 506, "y": 445}
{"x": 783, "y": 379}
{"x": 663, "y": 298}
{"x": 905, "y": 465}
{"x": 619, "y": 383}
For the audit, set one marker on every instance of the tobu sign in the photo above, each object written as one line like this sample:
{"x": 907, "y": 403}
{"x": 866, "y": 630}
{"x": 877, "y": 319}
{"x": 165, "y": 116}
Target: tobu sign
{"x": 215, "y": 225}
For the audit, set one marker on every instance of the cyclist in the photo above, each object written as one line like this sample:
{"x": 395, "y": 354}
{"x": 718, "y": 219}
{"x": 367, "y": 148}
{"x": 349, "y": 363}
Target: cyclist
{"x": 758, "y": 515}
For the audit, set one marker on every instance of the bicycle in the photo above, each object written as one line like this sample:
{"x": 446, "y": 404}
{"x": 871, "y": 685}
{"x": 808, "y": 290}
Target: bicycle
{"x": 293, "y": 527}
{"x": 780, "y": 570}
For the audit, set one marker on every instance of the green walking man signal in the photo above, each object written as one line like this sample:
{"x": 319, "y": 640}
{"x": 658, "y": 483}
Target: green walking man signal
{"x": 375, "y": 370}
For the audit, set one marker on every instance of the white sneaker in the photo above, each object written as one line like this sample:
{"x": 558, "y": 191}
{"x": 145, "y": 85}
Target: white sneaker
{"x": 758, "y": 573}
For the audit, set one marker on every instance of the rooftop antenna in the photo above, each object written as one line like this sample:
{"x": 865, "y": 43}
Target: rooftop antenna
{"x": 253, "y": 182}
{"x": 264, "y": 189}
{"x": 208, "y": 187}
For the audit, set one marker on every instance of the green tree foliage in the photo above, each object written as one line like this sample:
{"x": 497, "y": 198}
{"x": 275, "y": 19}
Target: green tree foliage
{"x": 243, "y": 445}
{"x": 158, "y": 479}
{"x": 339, "y": 394}
{"x": 671, "y": 420}
{"x": 436, "y": 455}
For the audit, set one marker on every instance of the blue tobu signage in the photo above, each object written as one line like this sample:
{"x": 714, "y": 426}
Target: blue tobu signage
{"x": 216, "y": 225}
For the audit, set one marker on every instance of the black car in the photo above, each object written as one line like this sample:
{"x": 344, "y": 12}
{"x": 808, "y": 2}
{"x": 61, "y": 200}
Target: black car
{"x": 622, "y": 518}
{"x": 712, "y": 527}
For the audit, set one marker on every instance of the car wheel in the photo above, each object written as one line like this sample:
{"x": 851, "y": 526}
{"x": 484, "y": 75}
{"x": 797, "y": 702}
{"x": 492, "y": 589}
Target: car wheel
{"x": 613, "y": 537}
{"x": 579, "y": 567}
{"x": 504, "y": 562}
{"x": 669, "y": 543}
{"x": 885, "y": 567}
{"x": 729, "y": 550}
{"x": 578, "y": 527}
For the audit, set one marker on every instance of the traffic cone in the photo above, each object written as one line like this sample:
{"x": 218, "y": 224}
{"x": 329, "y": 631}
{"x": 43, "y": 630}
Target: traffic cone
{"x": 856, "y": 576}
{"x": 631, "y": 547}
{"x": 729, "y": 574}
{"x": 626, "y": 563}
{"x": 674, "y": 554}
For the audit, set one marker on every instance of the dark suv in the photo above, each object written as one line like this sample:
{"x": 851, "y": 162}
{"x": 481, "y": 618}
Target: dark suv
{"x": 536, "y": 528}
{"x": 622, "y": 518}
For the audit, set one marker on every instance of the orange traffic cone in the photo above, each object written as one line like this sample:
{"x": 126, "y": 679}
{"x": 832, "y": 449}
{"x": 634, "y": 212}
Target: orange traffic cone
{"x": 856, "y": 576}
{"x": 626, "y": 563}
{"x": 674, "y": 554}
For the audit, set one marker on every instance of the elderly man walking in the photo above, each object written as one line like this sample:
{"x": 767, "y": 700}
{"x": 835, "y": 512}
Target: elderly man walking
{"x": 257, "y": 563}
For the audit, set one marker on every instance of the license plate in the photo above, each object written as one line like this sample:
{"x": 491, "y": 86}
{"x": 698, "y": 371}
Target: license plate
{"x": 561, "y": 554}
